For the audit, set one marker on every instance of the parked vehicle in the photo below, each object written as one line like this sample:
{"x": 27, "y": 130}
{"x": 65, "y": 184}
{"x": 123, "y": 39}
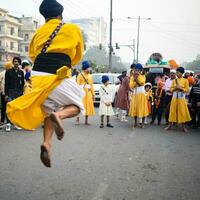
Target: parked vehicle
{"x": 97, "y": 84}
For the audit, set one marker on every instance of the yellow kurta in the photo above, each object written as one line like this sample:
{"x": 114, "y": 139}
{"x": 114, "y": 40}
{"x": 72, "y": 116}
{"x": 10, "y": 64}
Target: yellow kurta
{"x": 26, "y": 111}
{"x": 138, "y": 103}
{"x": 89, "y": 93}
{"x": 179, "y": 112}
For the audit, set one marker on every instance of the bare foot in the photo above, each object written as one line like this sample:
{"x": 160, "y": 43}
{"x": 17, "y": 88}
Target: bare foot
{"x": 88, "y": 124}
{"x": 57, "y": 126}
{"x": 185, "y": 130}
{"x": 45, "y": 155}
{"x": 142, "y": 126}
{"x": 168, "y": 128}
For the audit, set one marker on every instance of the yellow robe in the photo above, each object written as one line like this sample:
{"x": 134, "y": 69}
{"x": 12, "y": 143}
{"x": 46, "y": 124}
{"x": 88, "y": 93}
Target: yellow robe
{"x": 89, "y": 93}
{"x": 138, "y": 103}
{"x": 26, "y": 111}
{"x": 178, "y": 108}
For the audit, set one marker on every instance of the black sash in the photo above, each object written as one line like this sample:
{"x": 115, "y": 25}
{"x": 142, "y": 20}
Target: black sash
{"x": 51, "y": 62}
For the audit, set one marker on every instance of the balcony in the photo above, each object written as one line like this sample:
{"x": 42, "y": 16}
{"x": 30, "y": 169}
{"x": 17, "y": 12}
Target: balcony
{"x": 10, "y": 20}
{"x": 7, "y": 34}
{"x": 4, "y": 49}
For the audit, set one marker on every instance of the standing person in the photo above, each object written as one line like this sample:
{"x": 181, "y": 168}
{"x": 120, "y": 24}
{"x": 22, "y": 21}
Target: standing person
{"x": 14, "y": 84}
{"x": 8, "y": 65}
{"x": 138, "y": 104}
{"x": 159, "y": 98}
{"x": 85, "y": 80}
{"x": 118, "y": 82}
{"x": 106, "y": 98}
{"x": 179, "y": 112}
{"x": 168, "y": 96}
{"x": 27, "y": 85}
{"x": 195, "y": 102}
{"x": 26, "y": 66}
{"x": 148, "y": 92}
{"x": 122, "y": 101}
{"x": 55, "y": 96}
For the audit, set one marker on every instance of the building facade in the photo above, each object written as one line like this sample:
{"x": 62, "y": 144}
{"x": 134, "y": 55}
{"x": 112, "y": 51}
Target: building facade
{"x": 28, "y": 28}
{"x": 9, "y": 36}
{"x": 15, "y": 35}
{"x": 94, "y": 30}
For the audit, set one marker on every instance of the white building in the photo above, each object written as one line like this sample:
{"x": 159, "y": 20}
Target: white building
{"x": 9, "y": 36}
{"x": 94, "y": 30}
{"x": 15, "y": 35}
{"x": 28, "y": 28}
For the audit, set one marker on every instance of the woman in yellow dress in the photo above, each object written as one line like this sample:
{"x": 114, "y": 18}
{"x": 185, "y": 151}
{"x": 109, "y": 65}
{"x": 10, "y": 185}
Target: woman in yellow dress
{"x": 179, "y": 112}
{"x": 54, "y": 48}
{"x": 138, "y": 104}
{"x": 85, "y": 80}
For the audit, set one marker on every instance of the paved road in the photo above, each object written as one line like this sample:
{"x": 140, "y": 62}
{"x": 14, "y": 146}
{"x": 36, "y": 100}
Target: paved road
{"x": 102, "y": 164}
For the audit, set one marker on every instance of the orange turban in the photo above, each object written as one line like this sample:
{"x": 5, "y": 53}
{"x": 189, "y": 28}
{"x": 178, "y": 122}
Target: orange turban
{"x": 190, "y": 80}
{"x": 8, "y": 65}
{"x": 160, "y": 84}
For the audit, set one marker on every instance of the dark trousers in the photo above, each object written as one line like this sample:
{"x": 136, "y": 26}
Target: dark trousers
{"x": 157, "y": 112}
{"x": 168, "y": 99}
{"x": 3, "y": 108}
{"x": 13, "y": 94}
{"x": 195, "y": 114}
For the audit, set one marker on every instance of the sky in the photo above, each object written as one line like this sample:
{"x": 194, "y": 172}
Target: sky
{"x": 173, "y": 31}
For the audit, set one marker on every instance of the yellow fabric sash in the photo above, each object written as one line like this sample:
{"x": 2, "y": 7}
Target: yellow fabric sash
{"x": 26, "y": 111}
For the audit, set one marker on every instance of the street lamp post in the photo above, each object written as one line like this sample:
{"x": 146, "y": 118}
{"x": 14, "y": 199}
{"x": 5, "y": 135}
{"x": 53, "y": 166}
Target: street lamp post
{"x": 138, "y": 38}
{"x": 110, "y": 41}
{"x": 131, "y": 46}
{"x": 138, "y": 34}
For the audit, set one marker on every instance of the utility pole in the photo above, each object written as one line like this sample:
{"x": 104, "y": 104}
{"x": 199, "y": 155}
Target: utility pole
{"x": 138, "y": 34}
{"x": 138, "y": 38}
{"x": 110, "y": 41}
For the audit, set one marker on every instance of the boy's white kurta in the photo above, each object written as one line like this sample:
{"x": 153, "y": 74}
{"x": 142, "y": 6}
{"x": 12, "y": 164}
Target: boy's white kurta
{"x": 106, "y": 96}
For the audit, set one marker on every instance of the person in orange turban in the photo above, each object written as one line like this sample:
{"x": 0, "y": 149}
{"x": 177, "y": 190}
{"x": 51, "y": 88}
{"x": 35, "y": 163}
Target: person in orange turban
{"x": 159, "y": 98}
{"x": 8, "y": 65}
{"x": 191, "y": 81}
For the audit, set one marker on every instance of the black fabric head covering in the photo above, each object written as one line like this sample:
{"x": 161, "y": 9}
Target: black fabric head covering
{"x": 50, "y": 8}
{"x": 181, "y": 70}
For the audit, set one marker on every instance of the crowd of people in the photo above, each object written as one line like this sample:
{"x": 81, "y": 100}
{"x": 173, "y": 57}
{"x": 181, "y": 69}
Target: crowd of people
{"x": 176, "y": 98}
{"x": 14, "y": 82}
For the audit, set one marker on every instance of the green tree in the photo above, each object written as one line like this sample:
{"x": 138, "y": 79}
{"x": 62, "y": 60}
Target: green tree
{"x": 99, "y": 60}
{"x": 195, "y": 65}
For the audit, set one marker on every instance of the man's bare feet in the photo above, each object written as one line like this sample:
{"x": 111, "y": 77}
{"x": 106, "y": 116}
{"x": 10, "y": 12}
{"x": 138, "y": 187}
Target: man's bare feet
{"x": 142, "y": 126}
{"x": 168, "y": 128}
{"x": 185, "y": 130}
{"x": 45, "y": 155}
{"x": 57, "y": 125}
{"x": 88, "y": 124}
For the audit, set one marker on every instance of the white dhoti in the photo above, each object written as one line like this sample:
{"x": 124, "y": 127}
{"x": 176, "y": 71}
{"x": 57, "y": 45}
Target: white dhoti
{"x": 67, "y": 93}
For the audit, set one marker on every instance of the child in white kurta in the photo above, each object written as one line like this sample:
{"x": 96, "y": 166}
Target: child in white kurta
{"x": 106, "y": 99}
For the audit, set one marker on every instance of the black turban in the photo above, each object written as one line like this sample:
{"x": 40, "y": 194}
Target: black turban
{"x": 181, "y": 70}
{"x": 51, "y": 8}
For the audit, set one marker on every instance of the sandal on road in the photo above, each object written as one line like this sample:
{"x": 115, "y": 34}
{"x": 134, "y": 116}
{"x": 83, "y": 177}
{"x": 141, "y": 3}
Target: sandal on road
{"x": 57, "y": 126}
